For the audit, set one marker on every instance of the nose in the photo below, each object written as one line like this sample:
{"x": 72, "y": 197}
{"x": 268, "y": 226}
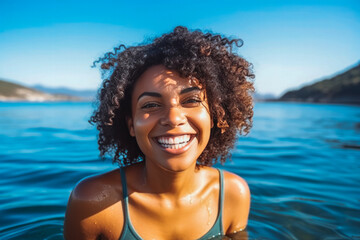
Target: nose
{"x": 173, "y": 117}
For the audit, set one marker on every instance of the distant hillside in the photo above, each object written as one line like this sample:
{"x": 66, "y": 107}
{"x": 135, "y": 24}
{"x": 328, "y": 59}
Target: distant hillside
{"x": 343, "y": 88}
{"x": 260, "y": 97}
{"x": 85, "y": 94}
{"x": 10, "y": 92}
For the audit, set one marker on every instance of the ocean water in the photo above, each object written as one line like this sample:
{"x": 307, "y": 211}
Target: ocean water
{"x": 302, "y": 163}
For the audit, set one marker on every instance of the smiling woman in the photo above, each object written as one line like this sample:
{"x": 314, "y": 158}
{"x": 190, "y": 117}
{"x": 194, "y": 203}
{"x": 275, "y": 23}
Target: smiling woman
{"x": 169, "y": 111}
{"x": 170, "y": 119}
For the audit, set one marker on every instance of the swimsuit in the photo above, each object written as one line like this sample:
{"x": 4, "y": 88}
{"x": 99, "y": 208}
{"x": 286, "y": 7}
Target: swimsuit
{"x": 129, "y": 232}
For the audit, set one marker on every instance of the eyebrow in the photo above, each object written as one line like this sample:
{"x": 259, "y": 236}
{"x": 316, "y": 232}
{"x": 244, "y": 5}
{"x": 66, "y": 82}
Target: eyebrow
{"x": 186, "y": 90}
{"x": 155, "y": 94}
{"x": 151, "y": 94}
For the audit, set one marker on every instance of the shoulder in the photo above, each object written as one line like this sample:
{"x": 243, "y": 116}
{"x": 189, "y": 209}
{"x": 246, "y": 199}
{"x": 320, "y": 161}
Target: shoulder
{"x": 91, "y": 204}
{"x": 98, "y": 188}
{"x": 236, "y": 202}
{"x": 236, "y": 188}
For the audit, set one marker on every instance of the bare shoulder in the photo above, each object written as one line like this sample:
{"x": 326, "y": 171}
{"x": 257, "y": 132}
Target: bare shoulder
{"x": 236, "y": 188}
{"x": 236, "y": 202}
{"x": 98, "y": 188}
{"x": 91, "y": 207}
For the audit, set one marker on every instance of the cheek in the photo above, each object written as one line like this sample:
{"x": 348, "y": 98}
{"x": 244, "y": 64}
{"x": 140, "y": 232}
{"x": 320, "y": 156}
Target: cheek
{"x": 203, "y": 123}
{"x": 141, "y": 121}
{"x": 142, "y": 126}
{"x": 204, "y": 117}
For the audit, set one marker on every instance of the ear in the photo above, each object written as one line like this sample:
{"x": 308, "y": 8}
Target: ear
{"x": 130, "y": 125}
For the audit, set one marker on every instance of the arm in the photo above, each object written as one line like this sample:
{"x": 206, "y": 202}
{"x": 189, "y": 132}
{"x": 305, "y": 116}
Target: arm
{"x": 94, "y": 210}
{"x": 236, "y": 204}
{"x": 79, "y": 223}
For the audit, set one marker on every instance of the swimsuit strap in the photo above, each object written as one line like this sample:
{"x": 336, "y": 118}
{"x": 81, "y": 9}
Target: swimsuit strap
{"x": 130, "y": 233}
{"x": 221, "y": 199}
{"x": 123, "y": 183}
{"x": 127, "y": 228}
{"x": 217, "y": 228}
{"x": 125, "y": 201}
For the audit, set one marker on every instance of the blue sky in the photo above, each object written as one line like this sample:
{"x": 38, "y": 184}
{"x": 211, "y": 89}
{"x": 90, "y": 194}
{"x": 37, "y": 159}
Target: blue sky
{"x": 290, "y": 43}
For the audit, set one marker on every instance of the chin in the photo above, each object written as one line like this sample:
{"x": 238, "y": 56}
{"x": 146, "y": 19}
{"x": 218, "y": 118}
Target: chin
{"x": 178, "y": 165}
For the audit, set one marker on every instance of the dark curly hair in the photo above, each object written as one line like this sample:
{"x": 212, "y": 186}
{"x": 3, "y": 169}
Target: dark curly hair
{"x": 193, "y": 54}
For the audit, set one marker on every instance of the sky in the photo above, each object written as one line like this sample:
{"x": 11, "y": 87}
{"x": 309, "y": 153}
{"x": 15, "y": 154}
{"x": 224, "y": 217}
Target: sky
{"x": 290, "y": 43}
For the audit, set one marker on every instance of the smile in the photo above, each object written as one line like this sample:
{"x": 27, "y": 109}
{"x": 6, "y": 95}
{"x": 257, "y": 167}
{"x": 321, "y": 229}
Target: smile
{"x": 174, "y": 142}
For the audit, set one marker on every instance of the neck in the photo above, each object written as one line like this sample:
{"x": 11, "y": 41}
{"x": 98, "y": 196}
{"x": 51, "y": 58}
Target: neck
{"x": 170, "y": 184}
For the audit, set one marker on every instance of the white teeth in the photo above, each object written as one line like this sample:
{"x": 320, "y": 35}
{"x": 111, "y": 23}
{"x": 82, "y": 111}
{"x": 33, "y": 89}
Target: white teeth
{"x": 174, "y": 142}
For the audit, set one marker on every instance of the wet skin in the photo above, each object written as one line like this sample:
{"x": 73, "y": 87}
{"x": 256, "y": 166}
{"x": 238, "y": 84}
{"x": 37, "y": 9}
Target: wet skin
{"x": 168, "y": 197}
{"x": 168, "y": 109}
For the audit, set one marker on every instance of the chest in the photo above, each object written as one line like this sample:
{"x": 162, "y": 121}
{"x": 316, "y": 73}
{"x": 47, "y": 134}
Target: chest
{"x": 188, "y": 218}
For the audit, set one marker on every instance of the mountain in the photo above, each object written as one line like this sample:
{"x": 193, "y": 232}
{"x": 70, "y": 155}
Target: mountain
{"x": 10, "y": 92}
{"x": 343, "y": 88}
{"x": 260, "y": 97}
{"x": 84, "y": 94}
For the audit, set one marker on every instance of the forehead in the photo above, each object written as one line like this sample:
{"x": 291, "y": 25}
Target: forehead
{"x": 158, "y": 78}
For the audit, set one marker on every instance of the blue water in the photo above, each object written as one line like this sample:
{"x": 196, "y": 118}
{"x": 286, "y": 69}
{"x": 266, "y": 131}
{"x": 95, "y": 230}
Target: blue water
{"x": 302, "y": 163}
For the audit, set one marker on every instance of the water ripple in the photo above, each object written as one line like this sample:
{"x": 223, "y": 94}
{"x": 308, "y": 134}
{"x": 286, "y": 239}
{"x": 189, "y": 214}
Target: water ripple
{"x": 301, "y": 162}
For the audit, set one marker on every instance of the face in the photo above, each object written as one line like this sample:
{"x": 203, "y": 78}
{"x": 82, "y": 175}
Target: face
{"x": 170, "y": 118}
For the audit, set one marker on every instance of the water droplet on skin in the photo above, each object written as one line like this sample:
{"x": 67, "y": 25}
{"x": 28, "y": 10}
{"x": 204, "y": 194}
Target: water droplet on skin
{"x": 241, "y": 229}
{"x": 190, "y": 199}
{"x": 209, "y": 213}
{"x": 209, "y": 210}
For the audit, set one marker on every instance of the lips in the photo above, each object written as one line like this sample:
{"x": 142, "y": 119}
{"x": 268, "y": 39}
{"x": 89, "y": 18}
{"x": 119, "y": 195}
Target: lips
{"x": 175, "y": 144}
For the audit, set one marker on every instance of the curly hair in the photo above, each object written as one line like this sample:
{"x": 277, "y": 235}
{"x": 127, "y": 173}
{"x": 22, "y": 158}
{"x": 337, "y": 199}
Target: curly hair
{"x": 193, "y": 54}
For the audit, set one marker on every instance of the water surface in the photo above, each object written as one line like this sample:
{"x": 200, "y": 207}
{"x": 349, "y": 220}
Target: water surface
{"x": 301, "y": 162}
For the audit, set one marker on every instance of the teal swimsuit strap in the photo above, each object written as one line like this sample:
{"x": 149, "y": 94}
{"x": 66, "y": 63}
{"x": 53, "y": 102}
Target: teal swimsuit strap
{"x": 128, "y": 230}
{"x": 130, "y": 233}
{"x": 221, "y": 200}
{"x": 217, "y": 228}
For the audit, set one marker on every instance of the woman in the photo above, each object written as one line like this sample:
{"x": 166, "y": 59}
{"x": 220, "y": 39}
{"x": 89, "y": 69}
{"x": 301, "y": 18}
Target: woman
{"x": 168, "y": 111}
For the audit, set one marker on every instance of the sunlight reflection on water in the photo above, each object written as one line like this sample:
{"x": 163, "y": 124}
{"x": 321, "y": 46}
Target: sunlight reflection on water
{"x": 301, "y": 162}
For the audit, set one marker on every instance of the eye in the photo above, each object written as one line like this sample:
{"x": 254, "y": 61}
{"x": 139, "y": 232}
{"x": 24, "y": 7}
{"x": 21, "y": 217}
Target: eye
{"x": 150, "y": 105}
{"x": 192, "y": 101}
